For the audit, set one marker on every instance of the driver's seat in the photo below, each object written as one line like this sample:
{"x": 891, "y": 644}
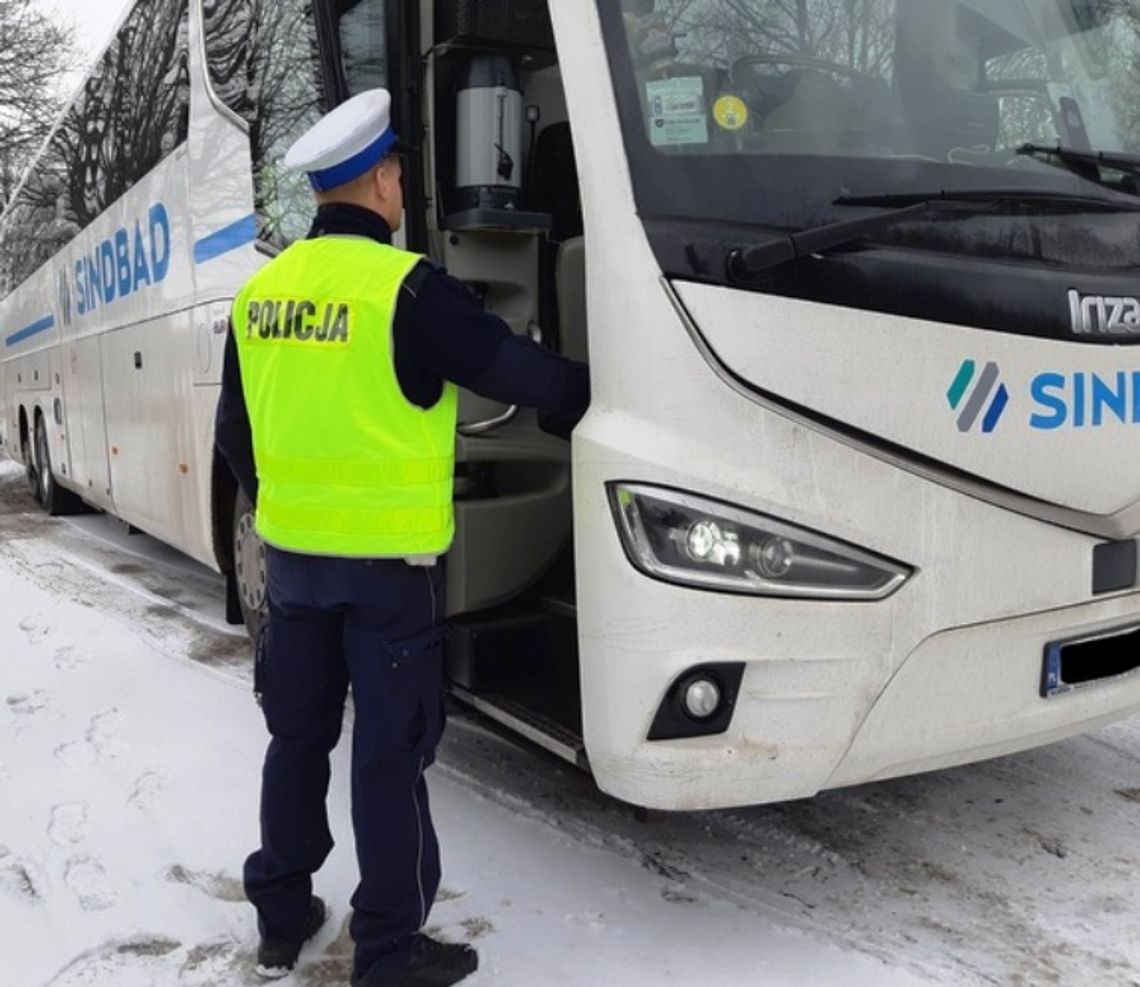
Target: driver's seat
{"x": 811, "y": 119}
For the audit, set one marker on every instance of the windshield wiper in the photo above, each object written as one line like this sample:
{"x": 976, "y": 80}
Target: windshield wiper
{"x": 747, "y": 262}
{"x": 1070, "y": 156}
{"x": 1006, "y": 195}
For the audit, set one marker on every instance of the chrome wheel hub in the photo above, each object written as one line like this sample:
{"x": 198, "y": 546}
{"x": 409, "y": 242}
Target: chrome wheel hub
{"x": 249, "y": 563}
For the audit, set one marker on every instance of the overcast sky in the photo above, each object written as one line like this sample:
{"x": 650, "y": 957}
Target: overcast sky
{"x": 94, "y": 20}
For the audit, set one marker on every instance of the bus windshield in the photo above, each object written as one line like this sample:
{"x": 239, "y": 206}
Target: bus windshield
{"x": 769, "y": 110}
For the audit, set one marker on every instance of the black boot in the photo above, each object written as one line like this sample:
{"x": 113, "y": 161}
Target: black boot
{"x": 427, "y": 964}
{"x": 277, "y": 957}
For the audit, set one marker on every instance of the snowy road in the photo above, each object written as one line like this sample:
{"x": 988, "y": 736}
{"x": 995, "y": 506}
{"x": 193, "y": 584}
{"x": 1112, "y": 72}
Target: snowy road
{"x": 129, "y": 755}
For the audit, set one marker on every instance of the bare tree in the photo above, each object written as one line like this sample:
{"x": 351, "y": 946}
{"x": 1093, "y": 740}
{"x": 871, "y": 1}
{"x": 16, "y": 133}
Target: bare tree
{"x": 857, "y": 34}
{"x": 34, "y": 52}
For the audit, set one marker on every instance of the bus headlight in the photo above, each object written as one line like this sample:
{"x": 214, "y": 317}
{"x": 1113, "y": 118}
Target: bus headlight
{"x": 683, "y": 538}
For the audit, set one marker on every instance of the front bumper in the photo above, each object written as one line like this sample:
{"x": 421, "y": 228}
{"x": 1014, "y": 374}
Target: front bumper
{"x": 803, "y": 725}
{"x": 975, "y": 692}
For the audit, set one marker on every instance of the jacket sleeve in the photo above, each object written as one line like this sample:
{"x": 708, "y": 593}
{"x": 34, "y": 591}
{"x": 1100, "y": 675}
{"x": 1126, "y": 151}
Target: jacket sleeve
{"x": 232, "y": 433}
{"x": 453, "y": 337}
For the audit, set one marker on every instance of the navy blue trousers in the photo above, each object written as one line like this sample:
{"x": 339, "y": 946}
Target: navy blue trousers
{"x": 374, "y": 625}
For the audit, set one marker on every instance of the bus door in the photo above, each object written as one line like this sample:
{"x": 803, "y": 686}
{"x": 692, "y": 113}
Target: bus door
{"x": 477, "y": 100}
{"x": 465, "y": 139}
{"x": 505, "y": 219}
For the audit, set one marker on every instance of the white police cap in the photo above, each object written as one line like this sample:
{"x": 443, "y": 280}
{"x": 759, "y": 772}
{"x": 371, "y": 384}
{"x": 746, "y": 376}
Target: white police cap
{"x": 345, "y": 143}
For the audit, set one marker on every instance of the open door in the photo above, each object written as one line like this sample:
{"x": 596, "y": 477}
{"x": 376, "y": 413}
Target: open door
{"x": 505, "y": 219}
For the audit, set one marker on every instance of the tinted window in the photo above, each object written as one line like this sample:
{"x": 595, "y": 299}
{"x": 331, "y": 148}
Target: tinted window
{"x": 137, "y": 101}
{"x": 131, "y": 112}
{"x": 269, "y": 62}
{"x": 363, "y": 44}
{"x": 264, "y": 63}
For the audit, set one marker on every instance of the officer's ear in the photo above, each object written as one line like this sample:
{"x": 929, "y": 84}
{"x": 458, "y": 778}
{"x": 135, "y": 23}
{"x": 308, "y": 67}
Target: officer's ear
{"x": 387, "y": 178}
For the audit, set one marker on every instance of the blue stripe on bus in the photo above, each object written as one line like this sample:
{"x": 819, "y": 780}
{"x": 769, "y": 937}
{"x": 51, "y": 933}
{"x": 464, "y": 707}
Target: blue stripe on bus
{"x": 44, "y": 324}
{"x": 233, "y": 236}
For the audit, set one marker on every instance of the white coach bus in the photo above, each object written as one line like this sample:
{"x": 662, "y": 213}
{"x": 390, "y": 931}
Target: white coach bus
{"x": 858, "y": 494}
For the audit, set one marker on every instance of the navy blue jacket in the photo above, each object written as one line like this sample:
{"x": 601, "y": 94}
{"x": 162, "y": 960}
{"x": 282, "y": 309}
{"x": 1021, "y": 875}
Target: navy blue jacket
{"x": 440, "y": 334}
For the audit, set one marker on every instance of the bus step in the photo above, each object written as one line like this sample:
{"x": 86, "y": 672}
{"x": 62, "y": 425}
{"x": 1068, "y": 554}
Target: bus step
{"x": 541, "y": 730}
{"x": 483, "y": 654}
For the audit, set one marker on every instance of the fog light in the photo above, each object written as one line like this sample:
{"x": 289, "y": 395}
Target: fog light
{"x": 699, "y": 701}
{"x": 702, "y": 698}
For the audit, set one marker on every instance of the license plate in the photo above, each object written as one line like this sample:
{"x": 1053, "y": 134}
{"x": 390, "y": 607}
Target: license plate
{"x": 1084, "y": 661}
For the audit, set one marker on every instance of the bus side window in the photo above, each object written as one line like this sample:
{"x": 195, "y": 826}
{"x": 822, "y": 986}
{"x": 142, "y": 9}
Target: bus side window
{"x": 132, "y": 112}
{"x": 263, "y": 61}
{"x": 363, "y": 40}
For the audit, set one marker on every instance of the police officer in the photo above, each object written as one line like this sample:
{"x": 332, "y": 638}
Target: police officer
{"x": 338, "y": 415}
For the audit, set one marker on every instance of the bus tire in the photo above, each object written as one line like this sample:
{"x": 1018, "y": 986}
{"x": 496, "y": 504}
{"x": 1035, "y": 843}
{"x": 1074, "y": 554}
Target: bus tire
{"x": 249, "y": 567}
{"x": 54, "y": 498}
{"x": 33, "y": 478}
{"x": 28, "y": 447}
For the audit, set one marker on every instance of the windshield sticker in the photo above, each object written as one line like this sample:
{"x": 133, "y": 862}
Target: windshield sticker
{"x": 677, "y": 111}
{"x": 731, "y": 112}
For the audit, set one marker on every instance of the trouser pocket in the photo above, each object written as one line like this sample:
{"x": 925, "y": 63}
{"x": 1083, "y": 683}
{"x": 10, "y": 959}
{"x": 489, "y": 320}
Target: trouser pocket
{"x": 419, "y": 659}
{"x": 398, "y": 690}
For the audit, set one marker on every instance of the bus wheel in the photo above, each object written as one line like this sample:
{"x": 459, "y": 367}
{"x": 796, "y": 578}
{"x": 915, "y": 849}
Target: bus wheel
{"x": 55, "y": 499}
{"x": 33, "y": 479}
{"x": 31, "y": 472}
{"x": 249, "y": 567}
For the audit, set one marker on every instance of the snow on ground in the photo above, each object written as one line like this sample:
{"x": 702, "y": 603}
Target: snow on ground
{"x": 129, "y": 757}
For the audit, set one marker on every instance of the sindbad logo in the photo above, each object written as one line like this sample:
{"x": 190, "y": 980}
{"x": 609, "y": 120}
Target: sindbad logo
{"x": 978, "y": 397}
{"x": 1073, "y": 399}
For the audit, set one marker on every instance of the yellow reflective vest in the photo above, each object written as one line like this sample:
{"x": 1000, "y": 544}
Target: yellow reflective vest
{"x": 346, "y": 465}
